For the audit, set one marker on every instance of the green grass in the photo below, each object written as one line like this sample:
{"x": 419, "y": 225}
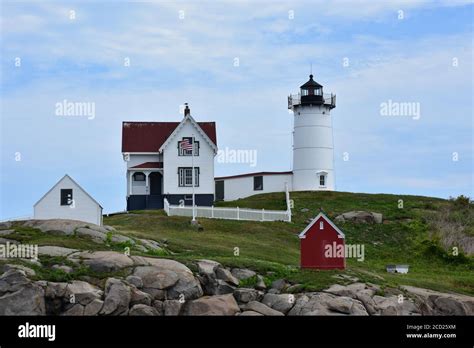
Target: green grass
{"x": 272, "y": 248}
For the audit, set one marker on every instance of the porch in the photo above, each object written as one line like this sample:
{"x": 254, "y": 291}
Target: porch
{"x": 145, "y": 189}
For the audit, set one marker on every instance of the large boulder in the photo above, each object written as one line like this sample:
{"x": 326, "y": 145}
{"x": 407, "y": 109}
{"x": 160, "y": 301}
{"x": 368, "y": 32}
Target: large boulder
{"x": 212, "y": 305}
{"x": 117, "y": 297}
{"x": 51, "y": 250}
{"x": 187, "y": 286}
{"x": 225, "y": 275}
{"x": 155, "y": 277}
{"x": 437, "y": 303}
{"x": 360, "y": 217}
{"x": 260, "y": 308}
{"x": 326, "y": 304}
{"x": 19, "y": 296}
{"x": 143, "y": 310}
{"x": 279, "y": 302}
{"x": 246, "y": 295}
{"x": 243, "y": 273}
{"x": 81, "y": 292}
{"x": 56, "y": 226}
{"x": 172, "y": 307}
{"x": 96, "y": 236}
{"x": 102, "y": 261}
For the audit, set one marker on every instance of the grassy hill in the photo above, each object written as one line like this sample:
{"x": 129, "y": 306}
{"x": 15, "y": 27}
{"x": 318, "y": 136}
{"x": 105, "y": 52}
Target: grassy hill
{"x": 414, "y": 235}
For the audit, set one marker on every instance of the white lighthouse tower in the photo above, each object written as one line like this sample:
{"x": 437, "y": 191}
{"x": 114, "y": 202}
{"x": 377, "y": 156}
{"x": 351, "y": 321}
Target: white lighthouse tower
{"x": 313, "y": 149}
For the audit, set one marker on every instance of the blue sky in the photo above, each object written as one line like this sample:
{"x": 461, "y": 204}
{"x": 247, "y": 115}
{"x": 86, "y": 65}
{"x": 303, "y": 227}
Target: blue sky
{"x": 175, "y": 60}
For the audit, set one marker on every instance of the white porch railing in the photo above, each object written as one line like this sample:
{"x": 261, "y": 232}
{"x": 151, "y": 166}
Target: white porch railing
{"x": 228, "y": 213}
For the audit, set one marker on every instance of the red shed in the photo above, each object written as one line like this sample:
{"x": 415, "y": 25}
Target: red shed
{"x": 322, "y": 245}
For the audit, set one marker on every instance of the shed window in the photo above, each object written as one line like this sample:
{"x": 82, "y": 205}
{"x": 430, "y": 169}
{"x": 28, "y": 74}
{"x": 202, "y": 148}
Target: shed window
{"x": 321, "y": 225}
{"x": 258, "y": 183}
{"x": 66, "y": 196}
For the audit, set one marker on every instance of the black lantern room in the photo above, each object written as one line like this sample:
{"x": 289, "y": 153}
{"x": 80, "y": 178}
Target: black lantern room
{"x": 312, "y": 92}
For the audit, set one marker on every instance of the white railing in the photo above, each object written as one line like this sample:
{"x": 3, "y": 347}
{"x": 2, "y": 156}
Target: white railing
{"x": 228, "y": 213}
{"x": 295, "y": 99}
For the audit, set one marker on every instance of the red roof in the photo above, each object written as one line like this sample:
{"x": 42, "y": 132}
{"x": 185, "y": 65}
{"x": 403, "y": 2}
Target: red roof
{"x": 149, "y": 165}
{"x": 149, "y": 136}
{"x": 252, "y": 174}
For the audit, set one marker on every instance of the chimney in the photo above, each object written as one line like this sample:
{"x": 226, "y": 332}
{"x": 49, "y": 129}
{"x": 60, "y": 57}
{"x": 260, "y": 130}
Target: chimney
{"x": 187, "y": 110}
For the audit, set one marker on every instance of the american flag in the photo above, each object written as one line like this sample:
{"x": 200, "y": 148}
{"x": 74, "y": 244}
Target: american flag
{"x": 186, "y": 144}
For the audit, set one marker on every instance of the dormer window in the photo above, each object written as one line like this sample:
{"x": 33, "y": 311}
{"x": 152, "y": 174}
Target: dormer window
{"x": 322, "y": 180}
{"x": 185, "y": 147}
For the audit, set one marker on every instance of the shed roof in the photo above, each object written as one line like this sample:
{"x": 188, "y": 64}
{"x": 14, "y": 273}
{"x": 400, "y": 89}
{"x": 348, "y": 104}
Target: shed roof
{"x": 302, "y": 235}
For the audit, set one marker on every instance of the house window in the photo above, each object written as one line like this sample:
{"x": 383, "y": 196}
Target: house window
{"x": 185, "y": 146}
{"x": 321, "y": 225}
{"x": 185, "y": 178}
{"x": 66, "y": 196}
{"x": 322, "y": 180}
{"x": 138, "y": 177}
{"x": 258, "y": 183}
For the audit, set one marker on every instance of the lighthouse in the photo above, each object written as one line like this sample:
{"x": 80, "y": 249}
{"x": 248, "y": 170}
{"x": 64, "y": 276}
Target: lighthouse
{"x": 313, "y": 148}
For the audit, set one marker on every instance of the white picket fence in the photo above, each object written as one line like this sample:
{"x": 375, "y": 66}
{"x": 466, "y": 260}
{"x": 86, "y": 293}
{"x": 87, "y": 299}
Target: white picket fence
{"x": 228, "y": 213}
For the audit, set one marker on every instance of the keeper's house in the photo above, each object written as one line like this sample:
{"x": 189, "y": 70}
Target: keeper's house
{"x": 68, "y": 200}
{"x": 159, "y": 162}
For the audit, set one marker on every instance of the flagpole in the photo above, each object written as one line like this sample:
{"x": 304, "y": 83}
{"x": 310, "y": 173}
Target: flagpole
{"x": 192, "y": 174}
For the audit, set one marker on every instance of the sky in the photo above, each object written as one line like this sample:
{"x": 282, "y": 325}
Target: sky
{"x": 235, "y": 63}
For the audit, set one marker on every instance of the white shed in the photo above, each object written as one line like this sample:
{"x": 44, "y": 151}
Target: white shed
{"x": 68, "y": 200}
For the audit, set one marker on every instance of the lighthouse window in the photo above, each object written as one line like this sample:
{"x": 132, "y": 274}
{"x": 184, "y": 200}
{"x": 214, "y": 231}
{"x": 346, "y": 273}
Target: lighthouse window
{"x": 304, "y": 92}
{"x": 258, "y": 183}
{"x": 322, "y": 180}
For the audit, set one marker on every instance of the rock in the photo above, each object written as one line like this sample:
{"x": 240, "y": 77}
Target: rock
{"x": 326, "y": 304}
{"x": 28, "y": 271}
{"x": 139, "y": 297}
{"x": 156, "y": 278}
{"x": 6, "y": 232}
{"x": 19, "y": 296}
{"x": 55, "y": 250}
{"x": 94, "y": 307}
{"x": 109, "y": 228}
{"x": 143, "y": 310}
{"x": 260, "y": 283}
{"x": 360, "y": 217}
{"x": 158, "y": 305}
{"x": 171, "y": 307}
{"x": 226, "y": 275}
{"x": 9, "y": 241}
{"x": 391, "y": 306}
{"x": 187, "y": 285}
{"x": 81, "y": 292}
{"x": 56, "y": 226}
{"x": 349, "y": 290}
{"x": 96, "y": 236}
{"x": 437, "y": 303}
{"x": 75, "y": 310}
{"x": 118, "y": 238}
{"x": 244, "y": 295}
{"x": 304, "y": 210}
{"x": 250, "y": 314}
{"x": 282, "y": 303}
{"x": 212, "y": 305}
{"x": 151, "y": 244}
{"x": 207, "y": 267}
{"x": 261, "y": 308}
{"x": 135, "y": 280}
{"x": 243, "y": 273}
{"x": 102, "y": 261}
{"x": 117, "y": 297}
{"x": 5, "y": 224}
{"x": 279, "y": 284}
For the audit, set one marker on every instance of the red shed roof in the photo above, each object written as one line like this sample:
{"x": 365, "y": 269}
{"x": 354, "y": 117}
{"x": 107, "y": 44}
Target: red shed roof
{"x": 302, "y": 235}
{"x": 149, "y": 136}
{"x": 149, "y": 165}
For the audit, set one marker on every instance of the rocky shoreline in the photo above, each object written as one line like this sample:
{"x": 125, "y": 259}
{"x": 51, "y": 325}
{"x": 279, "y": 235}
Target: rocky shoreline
{"x": 154, "y": 286}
